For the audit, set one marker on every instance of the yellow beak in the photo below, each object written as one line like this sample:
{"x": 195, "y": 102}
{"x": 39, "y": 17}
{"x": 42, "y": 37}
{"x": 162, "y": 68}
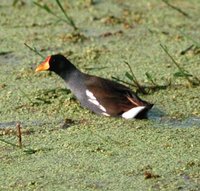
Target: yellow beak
{"x": 44, "y": 65}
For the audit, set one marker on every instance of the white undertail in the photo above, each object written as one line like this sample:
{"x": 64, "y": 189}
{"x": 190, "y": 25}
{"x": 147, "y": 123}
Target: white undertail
{"x": 132, "y": 112}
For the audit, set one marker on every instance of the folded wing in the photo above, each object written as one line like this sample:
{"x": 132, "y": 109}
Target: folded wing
{"x": 117, "y": 99}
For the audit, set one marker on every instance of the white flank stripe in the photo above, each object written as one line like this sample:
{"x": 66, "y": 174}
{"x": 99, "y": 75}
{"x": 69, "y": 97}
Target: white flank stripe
{"x": 90, "y": 95}
{"x": 132, "y": 112}
{"x": 105, "y": 114}
{"x": 102, "y": 108}
{"x": 93, "y": 100}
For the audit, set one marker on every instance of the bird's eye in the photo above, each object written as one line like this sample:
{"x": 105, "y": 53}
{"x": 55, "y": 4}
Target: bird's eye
{"x": 53, "y": 61}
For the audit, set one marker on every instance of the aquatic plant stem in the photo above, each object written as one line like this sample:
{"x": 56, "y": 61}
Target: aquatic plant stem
{"x": 134, "y": 79}
{"x": 19, "y": 134}
{"x": 67, "y": 19}
{"x": 183, "y": 72}
{"x": 176, "y": 8}
{"x": 34, "y": 50}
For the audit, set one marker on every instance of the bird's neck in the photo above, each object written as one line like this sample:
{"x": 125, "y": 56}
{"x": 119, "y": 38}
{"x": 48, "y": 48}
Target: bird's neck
{"x": 75, "y": 82}
{"x": 67, "y": 76}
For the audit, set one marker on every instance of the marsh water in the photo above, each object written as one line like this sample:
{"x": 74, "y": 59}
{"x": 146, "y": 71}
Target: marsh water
{"x": 157, "y": 122}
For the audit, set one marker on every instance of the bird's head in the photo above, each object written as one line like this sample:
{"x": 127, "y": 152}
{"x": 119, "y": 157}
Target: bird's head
{"x": 56, "y": 63}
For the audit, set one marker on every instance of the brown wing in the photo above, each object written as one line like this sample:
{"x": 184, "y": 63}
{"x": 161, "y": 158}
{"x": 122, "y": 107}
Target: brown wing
{"x": 116, "y": 98}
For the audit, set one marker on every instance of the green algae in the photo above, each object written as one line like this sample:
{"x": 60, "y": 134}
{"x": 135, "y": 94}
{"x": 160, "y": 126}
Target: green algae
{"x": 65, "y": 147}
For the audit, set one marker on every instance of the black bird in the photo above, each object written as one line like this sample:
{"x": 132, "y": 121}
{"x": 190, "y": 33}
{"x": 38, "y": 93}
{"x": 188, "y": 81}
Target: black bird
{"x": 102, "y": 96}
